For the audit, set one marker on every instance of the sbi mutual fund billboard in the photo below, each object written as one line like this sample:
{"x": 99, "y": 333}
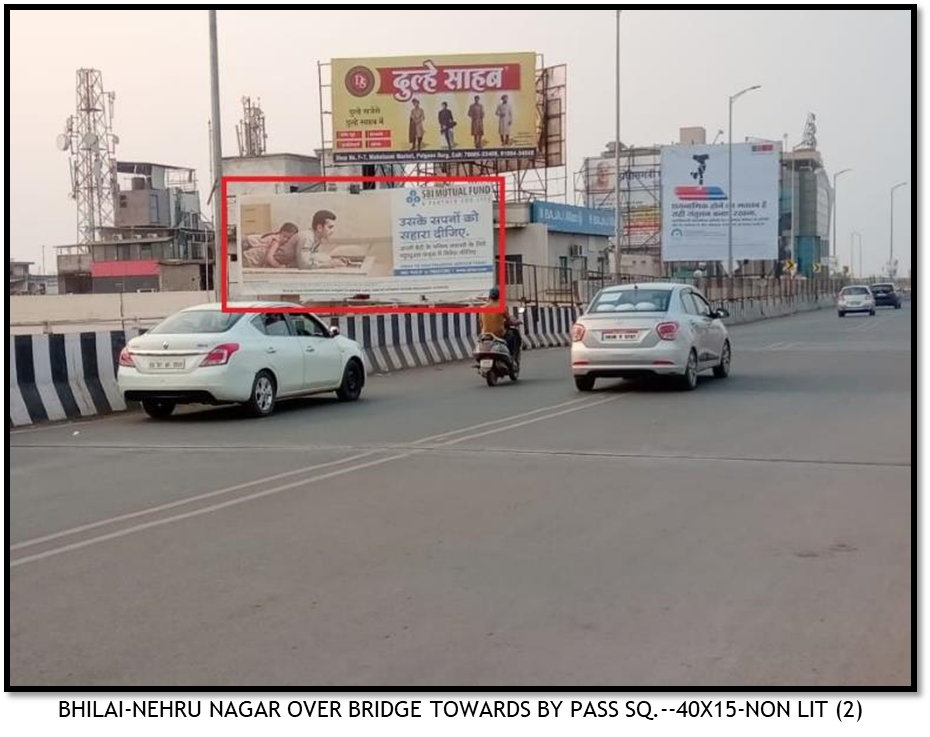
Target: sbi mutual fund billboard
{"x": 409, "y": 244}
{"x": 696, "y": 199}
{"x": 434, "y": 108}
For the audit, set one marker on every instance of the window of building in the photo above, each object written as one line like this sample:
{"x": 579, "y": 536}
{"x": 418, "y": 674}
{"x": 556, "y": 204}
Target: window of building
{"x": 514, "y": 268}
{"x": 145, "y": 251}
{"x": 153, "y": 208}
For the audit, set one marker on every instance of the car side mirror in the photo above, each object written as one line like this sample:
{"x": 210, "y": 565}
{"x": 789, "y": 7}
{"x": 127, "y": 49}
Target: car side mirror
{"x": 721, "y": 314}
{"x": 333, "y": 331}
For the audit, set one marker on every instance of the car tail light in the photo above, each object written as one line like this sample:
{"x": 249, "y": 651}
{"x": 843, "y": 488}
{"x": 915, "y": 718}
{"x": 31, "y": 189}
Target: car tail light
{"x": 578, "y": 332}
{"x": 125, "y": 358}
{"x": 667, "y": 330}
{"x": 220, "y": 355}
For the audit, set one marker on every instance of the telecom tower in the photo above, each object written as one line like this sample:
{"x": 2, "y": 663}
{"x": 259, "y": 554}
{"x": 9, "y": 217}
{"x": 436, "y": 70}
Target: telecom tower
{"x": 810, "y": 133}
{"x": 250, "y": 131}
{"x": 89, "y": 139}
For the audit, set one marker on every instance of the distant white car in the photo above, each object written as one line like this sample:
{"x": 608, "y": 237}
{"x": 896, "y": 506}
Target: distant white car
{"x": 855, "y": 298}
{"x": 202, "y": 355}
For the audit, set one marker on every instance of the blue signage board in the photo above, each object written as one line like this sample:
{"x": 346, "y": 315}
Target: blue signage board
{"x": 573, "y": 219}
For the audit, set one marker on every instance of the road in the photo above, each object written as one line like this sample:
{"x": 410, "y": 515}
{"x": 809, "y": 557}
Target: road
{"x": 754, "y": 532}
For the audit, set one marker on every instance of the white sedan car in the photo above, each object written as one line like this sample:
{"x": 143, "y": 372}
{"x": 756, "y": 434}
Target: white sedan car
{"x": 202, "y": 355}
{"x": 651, "y": 329}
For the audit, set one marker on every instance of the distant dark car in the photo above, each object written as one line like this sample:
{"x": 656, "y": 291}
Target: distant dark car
{"x": 886, "y": 295}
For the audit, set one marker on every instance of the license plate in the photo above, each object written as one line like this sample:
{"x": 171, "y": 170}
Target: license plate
{"x": 486, "y": 363}
{"x": 174, "y": 364}
{"x": 620, "y": 335}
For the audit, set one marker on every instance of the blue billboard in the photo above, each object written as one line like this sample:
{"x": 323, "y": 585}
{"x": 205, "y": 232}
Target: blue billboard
{"x": 572, "y": 219}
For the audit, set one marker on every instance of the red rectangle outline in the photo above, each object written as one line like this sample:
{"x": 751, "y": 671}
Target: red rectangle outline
{"x": 361, "y": 309}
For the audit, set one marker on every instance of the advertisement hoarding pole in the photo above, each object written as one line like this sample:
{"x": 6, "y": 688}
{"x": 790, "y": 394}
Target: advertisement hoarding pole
{"x": 217, "y": 153}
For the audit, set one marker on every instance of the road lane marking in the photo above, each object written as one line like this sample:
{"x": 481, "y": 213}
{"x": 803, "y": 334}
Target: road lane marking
{"x": 286, "y": 474}
{"x": 291, "y": 485}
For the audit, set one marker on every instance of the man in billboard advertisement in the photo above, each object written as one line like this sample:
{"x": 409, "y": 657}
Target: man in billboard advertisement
{"x": 504, "y": 113}
{"x": 417, "y": 118}
{"x": 313, "y": 252}
{"x": 446, "y": 125}
{"x": 696, "y": 202}
{"x": 394, "y": 245}
{"x": 384, "y": 108}
{"x": 476, "y": 114}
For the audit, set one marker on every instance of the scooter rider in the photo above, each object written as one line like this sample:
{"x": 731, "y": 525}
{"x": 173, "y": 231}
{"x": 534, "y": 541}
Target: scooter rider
{"x": 500, "y": 325}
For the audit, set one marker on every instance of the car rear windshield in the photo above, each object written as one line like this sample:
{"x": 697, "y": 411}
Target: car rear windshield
{"x": 882, "y": 288}
{"x": 855, "y": 290}
{"x": 197, "y": 321}
{"x": 632, "y": 300}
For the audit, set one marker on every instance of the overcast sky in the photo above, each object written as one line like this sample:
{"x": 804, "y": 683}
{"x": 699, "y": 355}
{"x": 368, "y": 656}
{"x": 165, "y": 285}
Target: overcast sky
{"x": 851, "y": 67}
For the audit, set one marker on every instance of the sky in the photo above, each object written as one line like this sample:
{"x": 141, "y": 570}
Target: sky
{"x": 852, "y": 68}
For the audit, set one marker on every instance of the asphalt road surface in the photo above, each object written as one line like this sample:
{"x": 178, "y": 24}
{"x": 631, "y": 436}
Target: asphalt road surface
{"x": 754, "y": 532}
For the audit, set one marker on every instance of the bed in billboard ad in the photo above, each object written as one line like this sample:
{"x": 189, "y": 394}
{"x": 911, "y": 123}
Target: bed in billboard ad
{"x": 418, "y": 244}
{"x": 434, "y": 108}
{"x": 696, "y": 201}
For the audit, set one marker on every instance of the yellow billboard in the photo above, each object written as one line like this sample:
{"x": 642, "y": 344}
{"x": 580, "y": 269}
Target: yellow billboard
{"x": 434, "y": 108}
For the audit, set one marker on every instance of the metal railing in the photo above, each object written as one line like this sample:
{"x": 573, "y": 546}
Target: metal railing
{"x": 555, "y": 285}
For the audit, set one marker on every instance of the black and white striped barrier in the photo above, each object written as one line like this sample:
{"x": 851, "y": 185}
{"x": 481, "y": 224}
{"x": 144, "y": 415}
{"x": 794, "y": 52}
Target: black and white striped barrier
{"x": 396, "y": 342}
{"x": 63, "y": 377}
{"x": 66, "y": 377}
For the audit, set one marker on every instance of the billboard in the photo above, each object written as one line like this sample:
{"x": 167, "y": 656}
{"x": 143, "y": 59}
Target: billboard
{"x": 434, "y": 108}
{"x": 640, "y": 194}
{"x": 409, "y": 245}
{"x": 561, "y": 218}
{"x": 696, "y": 201}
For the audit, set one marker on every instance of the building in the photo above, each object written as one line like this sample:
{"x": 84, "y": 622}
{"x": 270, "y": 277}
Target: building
{"x": 293, "y": 165}
{"x": 23, "y": 281}
{"x": 267, "y": 165}
{"x": 805, "y": 179}
{"x": 554, "y": 250}
{"x": 160, "y": 240}
{"x": 641, "y": 206}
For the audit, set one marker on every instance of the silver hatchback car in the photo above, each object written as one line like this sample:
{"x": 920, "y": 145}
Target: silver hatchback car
{"x": 648, "y": 329}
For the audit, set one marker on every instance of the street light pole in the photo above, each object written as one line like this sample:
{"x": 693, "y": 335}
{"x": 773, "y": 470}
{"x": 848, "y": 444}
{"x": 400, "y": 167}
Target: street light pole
{"x": 733, "y": 98}
{"x": 852, "y": 257}
{"x": 891, "y": 234}
{"x": 617, "y": 162}
{"x": 841, "y": 171}
{"x": 859, "y": 243}
{"x": 217, "y": 151}
{"x": 790, "y": 162}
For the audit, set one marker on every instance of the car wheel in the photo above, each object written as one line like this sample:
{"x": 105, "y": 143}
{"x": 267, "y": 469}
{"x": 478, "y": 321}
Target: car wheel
{"x": 688, "y": 380}
{"x": 158, "y": 408}
{"x": 871, "y": 313}
{"x": 584, "y": 383}
{"x": 898, "y": 306}
{"x": 352, "y": 382}
{"x": 841, "y": 314}
{"x": 722, "y": 370}
{"x": 261, "y": 401}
